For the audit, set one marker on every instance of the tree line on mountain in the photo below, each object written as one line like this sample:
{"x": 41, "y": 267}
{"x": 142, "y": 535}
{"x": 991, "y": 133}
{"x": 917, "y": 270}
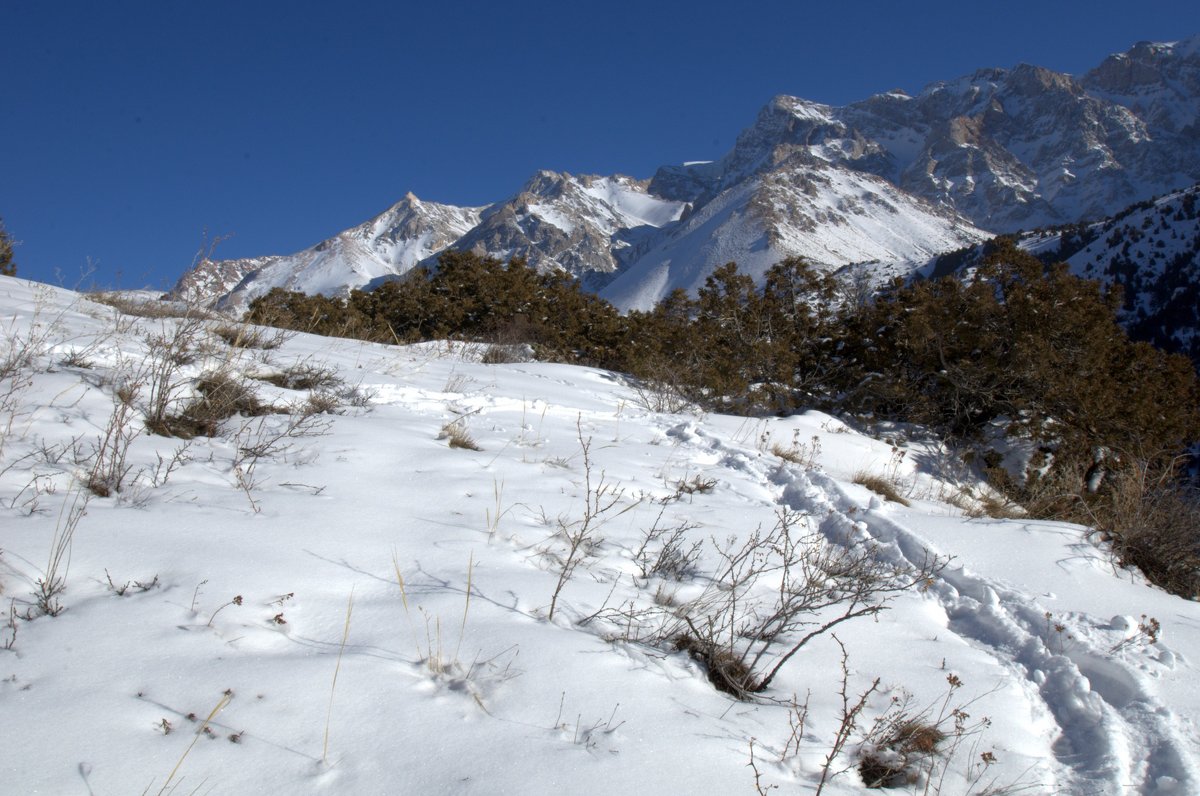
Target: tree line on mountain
{"x": 1158, "y": 279}
{"x": 1019, "y": 351}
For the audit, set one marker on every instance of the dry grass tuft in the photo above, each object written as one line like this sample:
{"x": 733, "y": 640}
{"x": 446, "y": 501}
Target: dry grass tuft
{"x": 303, "y": 376}
{"x": 247, "y": 336}
{"x": 457, "y": 436}
{"x": 130, "y": 304}
{"x": 221, "y": 396}
{"x": 890, "y": 765}
{"x": 881, "y": 486}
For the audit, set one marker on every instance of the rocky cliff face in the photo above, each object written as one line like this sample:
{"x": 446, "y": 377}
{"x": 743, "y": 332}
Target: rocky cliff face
{"x": 1004, "y": 148}
{"x": 582, "y": 225}
{"x": 1158, "y": 82}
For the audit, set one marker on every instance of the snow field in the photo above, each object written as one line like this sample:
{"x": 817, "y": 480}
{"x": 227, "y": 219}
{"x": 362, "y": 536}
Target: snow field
{"x": 458, "y": 681}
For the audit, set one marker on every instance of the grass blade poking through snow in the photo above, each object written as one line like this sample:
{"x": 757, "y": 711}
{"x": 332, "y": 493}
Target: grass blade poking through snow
{"x": 336, "y": 669}
{"x": 462, "y": 630}
{"x": 412, "y": 628}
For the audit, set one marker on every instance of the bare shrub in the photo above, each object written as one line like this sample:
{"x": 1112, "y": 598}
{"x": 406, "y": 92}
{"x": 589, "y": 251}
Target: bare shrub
{"x": 130, "y": 586}
{"x": 322, "y": 403}
{"x": 8, "y": 639}
{"x": 75, "y": 358}
{"x": 696, "y": 484}
{"x": 660, "y": 387}
{"x": 665, "y": 551}
{"x": 601, "y": 498}
{"x": 820, "y": 586}
{"x": 109, "y": 457}
{"x": 53, "y": 581}
{"x": 1153, "y": 524}
{"x": 20, "y": 351}
{"x": 357, "y": 396}
{"x": 770, "y": 596}
{"x": 852, "y": 708}
{"x": 1144, "y": 510}
{"x": 142, "y": 307}
{"x": 270, "y": 437}
{"x": 506, "y": 354}
{"x": 799, "y": 453}
{"x": 274, "y": 437}
{"x": 168, "y": 352}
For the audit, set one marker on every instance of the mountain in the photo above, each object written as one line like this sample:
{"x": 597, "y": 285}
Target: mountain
{"x": 1151, "y": 249}
{"x": 1005, "y": 148}
{"x": 831, "y": 216}
{"x": 581, "y": 225}
{"x": 885, "y": 183}
{"x": 1158, "y": 82}
{"x": 387, "y": 245}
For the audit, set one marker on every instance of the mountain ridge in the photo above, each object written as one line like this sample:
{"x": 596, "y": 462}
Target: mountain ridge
{"x": 893, "y": 179}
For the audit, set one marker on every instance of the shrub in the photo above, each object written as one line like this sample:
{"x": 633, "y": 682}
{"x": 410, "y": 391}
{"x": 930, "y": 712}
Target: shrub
{"x": 7, "y": 266}
{"x": 1032, "y": 347}
{"x": 220, "y": 397}
{"x": 1153, "y": 523}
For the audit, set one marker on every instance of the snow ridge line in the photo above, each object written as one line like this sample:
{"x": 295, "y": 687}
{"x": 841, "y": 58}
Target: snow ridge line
{"x": 1114, "y": 735}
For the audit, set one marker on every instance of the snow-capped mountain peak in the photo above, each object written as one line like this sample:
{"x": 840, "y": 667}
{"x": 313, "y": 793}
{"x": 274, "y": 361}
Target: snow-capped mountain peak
{"x": 389, "y": 244}
{"x": 579, "y": 224}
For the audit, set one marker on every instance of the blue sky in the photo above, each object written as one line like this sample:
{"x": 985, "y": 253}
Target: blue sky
{"x": 129, "y": 129}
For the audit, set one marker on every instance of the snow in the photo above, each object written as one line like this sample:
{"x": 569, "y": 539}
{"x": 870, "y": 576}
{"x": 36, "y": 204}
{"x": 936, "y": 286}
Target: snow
{"x": 553, "y": 216}
{"x": 832, "y": 216}
{"x": 632, "y": 206}
{"x": 327, "y": 677}
{"x": 390, "y": 244}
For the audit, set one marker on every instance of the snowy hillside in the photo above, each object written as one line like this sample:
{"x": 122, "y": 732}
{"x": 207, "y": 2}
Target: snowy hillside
{"x": 471, "y": 578}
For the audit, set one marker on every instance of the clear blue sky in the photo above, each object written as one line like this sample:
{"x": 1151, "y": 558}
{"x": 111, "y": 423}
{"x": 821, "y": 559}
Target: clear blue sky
{"x": 128, "y": 129}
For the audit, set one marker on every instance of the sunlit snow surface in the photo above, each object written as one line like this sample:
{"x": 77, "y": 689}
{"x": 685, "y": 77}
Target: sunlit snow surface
{"x": 108, "y": 696}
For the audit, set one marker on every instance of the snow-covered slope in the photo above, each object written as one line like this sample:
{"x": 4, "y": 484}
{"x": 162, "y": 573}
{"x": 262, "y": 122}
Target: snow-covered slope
{"x": 350, "y": 605}
{"x": 830, "y": 215}
{"x": 387, "y": 245}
